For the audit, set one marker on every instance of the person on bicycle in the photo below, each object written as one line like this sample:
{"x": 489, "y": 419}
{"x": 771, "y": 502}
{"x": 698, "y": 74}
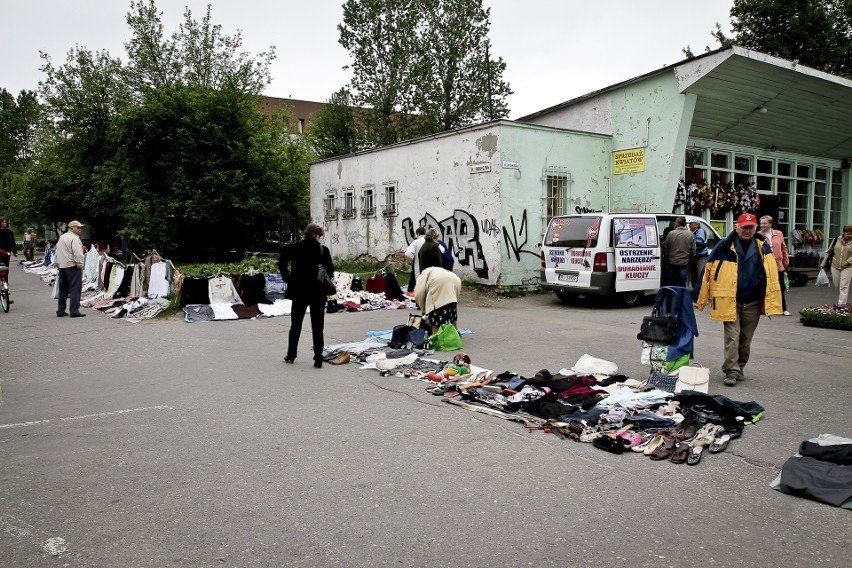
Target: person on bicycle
{"x": 69, "y": 260}
{"x": 7, "y": 244}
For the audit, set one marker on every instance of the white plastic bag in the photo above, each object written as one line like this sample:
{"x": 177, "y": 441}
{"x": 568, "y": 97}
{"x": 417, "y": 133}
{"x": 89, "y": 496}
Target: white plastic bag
{"x": 822, "y": 279}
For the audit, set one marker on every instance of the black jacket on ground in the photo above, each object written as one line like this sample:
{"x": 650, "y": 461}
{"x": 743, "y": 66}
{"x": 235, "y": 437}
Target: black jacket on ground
{"x": 298, "y": 264}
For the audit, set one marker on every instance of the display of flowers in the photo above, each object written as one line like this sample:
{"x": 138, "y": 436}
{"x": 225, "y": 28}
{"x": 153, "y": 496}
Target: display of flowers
{"x": 837, "y": 315}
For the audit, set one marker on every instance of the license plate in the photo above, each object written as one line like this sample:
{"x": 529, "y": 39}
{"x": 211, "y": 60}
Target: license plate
{"x": 570, "y": 277}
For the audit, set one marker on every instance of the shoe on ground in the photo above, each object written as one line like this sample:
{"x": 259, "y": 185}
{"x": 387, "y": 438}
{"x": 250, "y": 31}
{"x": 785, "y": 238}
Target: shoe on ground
{"x": 11, "y": 301}
{"x": 341, "y": 359}
{"x": 786, "y": 313}
{"x": 62, "y": 314}
{"x": 78, "y": 315}
{"x": 730, "y": 379}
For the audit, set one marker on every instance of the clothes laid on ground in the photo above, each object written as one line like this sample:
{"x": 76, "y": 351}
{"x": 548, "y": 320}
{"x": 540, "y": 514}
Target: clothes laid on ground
{"x": 820, "y": 470}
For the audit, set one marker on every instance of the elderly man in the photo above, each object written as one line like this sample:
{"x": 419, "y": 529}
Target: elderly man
{"x": 741, "y": 283}
{"x": 69, "y": 260}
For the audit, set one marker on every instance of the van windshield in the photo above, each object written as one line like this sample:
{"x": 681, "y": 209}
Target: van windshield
{"x": 573, "y": 232}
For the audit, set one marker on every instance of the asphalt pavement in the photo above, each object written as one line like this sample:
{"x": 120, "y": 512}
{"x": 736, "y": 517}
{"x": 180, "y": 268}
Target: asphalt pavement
{"x": 172, "y": 444}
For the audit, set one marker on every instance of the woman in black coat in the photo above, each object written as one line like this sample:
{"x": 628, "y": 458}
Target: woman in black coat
{"x": 299, "y": 264}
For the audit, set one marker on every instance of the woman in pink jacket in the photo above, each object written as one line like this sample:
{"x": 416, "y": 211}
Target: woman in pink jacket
{"x": 779, "y": 249}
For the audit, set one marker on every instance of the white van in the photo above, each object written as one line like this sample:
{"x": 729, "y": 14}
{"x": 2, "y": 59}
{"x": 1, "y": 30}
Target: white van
{"x": 607, "y": 254}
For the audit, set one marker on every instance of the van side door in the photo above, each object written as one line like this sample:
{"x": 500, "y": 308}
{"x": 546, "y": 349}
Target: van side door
{"x": 636, "y": 242}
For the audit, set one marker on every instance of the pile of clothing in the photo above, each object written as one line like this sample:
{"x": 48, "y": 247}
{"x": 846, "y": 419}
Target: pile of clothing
{"x": 252, "y": 295}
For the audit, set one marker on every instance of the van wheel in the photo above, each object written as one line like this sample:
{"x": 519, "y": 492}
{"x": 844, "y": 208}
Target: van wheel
{"x": 564, "y": 297}
{"x": 630, "y": 299}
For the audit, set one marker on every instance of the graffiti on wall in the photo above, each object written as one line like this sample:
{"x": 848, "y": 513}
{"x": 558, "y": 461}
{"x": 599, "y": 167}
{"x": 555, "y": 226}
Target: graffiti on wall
{"x": 491, "y": 228}
{"x": 460, "y": 232}
{"x": 354, "y": 239}
{"x": 515, "y": 247}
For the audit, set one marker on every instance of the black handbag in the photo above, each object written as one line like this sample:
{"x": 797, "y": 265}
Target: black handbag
{"x": 326, "y": 283}
{"x": 658, "y": 329}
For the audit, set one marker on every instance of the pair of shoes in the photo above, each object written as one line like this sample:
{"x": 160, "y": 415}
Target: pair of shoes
{"x": 730, "y": 379}
{"x": 289, "y": 359}
{"x": 786, "y": 313}
{"x": 317, "y": 363}
{"x": 719, "y": 444}
{"x": 62, "y": 314}
{"x": 343, "y": 358}
{"x": 78, "y": 315}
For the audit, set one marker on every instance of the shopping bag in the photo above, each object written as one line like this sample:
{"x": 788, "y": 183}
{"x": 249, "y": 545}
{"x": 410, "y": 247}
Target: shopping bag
{"x": 693, "y": 378}
{"x": 447, "y": 338}
{"x": 822, "y": 279}
{"x": 415, "y": 320}
{"x": 786, "y": 282}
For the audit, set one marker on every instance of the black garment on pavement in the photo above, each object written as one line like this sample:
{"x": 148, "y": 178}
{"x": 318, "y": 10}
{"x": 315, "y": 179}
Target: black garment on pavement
{"x": 815, "y": 479}
{"x": 841, "y": 454}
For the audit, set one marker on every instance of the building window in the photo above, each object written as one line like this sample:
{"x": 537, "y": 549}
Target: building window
{"x": 557, "y": 180}
{"x": 348, "y": 203}
{"x": 330, "y": 206}
{"x": 808, "y": 193}
{"x": 696, "y": 166}
{"x": 389, "y": 209}
{"x": 834, "y": 208}
{"x": 368, "y": 203}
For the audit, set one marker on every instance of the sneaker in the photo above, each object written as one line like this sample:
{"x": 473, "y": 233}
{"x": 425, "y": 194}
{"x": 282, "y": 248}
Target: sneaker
{"x": 786, "y": 313}
{"x": 730, "y": 379}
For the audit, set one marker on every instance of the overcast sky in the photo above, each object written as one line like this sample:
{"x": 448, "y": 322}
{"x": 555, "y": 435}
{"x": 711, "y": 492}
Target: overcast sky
{"x": 554, "y": 50}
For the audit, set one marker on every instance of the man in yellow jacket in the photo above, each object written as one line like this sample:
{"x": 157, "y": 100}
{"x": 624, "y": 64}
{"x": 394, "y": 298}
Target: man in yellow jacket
{"x": 741, "y": 283}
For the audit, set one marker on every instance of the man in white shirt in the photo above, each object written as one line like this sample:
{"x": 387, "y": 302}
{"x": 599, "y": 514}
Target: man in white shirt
{"x": 70, "y": 260}
{"x": 412, "y": 253}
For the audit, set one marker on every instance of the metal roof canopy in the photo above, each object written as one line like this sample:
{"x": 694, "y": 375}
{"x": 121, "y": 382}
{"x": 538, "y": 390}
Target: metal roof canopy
{"x": 806, "y": 111}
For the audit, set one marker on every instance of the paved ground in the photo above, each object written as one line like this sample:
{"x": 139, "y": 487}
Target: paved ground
{"x": 173, "y": 444}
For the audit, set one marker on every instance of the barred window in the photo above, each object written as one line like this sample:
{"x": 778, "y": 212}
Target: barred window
{"x": 330, "y": 206}
{"x": 368, "y": 203}
{"x": 556, "y": 182}
{"x": 390, "y": 206}
{"x": 348, "y": 202}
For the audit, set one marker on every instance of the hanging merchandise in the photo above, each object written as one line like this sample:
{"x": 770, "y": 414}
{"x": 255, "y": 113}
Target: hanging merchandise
{"x": 706, "y": 195}
{"x": 680, "y": 194}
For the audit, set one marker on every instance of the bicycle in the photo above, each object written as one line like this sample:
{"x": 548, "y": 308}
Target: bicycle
{"x": 4, "y": 283}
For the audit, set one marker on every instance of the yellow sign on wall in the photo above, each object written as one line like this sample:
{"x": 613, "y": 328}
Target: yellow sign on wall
{"x": 628, "y": 161}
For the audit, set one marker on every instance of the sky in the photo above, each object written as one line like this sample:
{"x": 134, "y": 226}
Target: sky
{"x": 555, "y": 50}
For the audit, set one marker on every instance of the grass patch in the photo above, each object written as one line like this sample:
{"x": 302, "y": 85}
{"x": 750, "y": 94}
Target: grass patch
{"x": 212, "y": 269}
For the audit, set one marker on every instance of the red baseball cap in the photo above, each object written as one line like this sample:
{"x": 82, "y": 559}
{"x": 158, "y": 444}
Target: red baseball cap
{"x": 746, "y": 219}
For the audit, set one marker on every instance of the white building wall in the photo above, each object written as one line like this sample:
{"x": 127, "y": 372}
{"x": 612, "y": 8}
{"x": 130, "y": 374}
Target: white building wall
{"x": 435, "y": 187}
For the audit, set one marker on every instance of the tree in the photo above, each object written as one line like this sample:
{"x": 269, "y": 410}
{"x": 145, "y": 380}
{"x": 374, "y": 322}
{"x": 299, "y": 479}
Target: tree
{"x": 197, "y": 54}
{"x": 816, "y": 33}
{"x": 458, "y": 82}
{"x": 380, "y": 37}
{"x": 421, "y": 66}
{"x": 335, "y": 130}
{"x": 169, "y": 151}
{"x": 198, "y": 172}
{"x": 19, "y": 120}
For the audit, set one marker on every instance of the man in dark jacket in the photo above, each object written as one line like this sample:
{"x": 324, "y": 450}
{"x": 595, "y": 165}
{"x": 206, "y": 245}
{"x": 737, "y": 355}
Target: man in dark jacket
{"x": 299, "y": 266}
{"x": 678, "y": 250}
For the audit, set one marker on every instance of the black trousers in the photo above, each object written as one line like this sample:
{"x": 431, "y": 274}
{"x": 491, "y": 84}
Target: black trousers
{"x": 297, "y": 317}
